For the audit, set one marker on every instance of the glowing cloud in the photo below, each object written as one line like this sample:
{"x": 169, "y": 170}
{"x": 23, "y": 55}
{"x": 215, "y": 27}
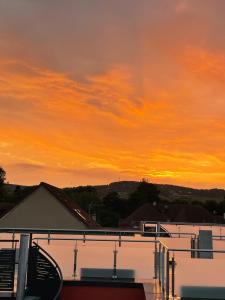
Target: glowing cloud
{"x": 100, "y": 93}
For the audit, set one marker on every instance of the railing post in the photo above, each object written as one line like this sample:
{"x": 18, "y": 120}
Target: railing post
{"x": 173, "y": 276}
{"x": 160, "y": 262}
{"x": 163, "y": 270}
{"x": 115, "y": 263}
{"x": 120, "y": 240}
{"x": 158, "y": 229}
{"x": 192, "y": 247}
{"x": 75, "y": 262}
{"x": 31, "y": 240}
{"x": 22, "y": 268}
{"x": 155, "y": 260}
{"x": 84, "y": 239}
{"x": 142, "y": 227}
{"x": 13, "y": 240}
{"x": 49, "y": 238}
{"x": 167, "y": 275}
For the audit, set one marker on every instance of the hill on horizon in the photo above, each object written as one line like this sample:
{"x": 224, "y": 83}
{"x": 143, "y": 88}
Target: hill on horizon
{"x": 167, "y": 192}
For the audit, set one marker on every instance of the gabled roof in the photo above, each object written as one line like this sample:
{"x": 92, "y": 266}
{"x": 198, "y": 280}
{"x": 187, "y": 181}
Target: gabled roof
{"x": 170, "y": 212}
{"x": 64, "y": 199}
{"x": 5, "y": 207}
{"x": 147, "y": 212}
{"x": 190, "y": 213}
{"x": 76, "y": 210}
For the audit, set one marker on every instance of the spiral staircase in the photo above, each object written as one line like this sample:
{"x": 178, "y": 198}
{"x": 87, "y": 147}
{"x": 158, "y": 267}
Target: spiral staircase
{"x": 44, "y": 277}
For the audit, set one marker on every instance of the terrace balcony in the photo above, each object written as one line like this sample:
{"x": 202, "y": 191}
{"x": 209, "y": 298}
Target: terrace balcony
{"x": 113, "y": 264}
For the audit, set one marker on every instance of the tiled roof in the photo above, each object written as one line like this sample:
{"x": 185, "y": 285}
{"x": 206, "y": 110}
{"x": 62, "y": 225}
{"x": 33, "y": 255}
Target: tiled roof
{"x": 78, "y": 212}
{"x": 147, "y": 212}
{"x": 61, "y": 196}
{"x": 189, "y": 213}
{"x": 171, "y": 213}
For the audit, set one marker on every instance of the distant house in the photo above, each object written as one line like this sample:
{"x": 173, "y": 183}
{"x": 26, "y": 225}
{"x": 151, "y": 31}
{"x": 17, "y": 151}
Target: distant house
{"x": 47, "y": 207}
{"x": 190, "y": 214}
{"x": 147, "y": 212}
{"x": 169, "y": 213}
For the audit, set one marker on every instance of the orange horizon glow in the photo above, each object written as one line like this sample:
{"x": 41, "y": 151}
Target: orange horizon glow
{"x": 113, "y": 91}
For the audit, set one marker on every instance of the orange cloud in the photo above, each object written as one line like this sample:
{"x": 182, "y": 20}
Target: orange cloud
{"x": 60, "y": 127}
{"x": 206, "y": 65}
{"x": 129, "y": 95}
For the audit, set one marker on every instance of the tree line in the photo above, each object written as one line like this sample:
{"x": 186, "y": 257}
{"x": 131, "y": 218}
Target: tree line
{"x": 110, "y": 209}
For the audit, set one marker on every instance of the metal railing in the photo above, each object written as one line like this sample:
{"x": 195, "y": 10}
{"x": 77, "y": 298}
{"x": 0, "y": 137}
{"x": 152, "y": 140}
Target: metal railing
{"x": 72, "y": 231}
{"x": 117, "y": 243}
{"x": 186, "y": 223}
{"x": 165, "y": 266}
{"x": 164, "y": 262}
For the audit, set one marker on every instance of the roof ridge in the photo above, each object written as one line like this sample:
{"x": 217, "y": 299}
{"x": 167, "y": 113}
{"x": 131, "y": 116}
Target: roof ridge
{"x": 71, "y": 205}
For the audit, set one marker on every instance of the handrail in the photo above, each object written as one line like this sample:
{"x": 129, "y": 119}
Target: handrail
{"x": 218, "y": 237}
{"x": 9, "y": 241}
{"x": 195, "y": 250}
{"x": 173, "y": 265}
{"x": 185, "y": 223}
{"x": 105, "y": 231}
{"x": 179, "y": 234}
{"x": 57, "y": 268}
{"x": 95, "y": 240}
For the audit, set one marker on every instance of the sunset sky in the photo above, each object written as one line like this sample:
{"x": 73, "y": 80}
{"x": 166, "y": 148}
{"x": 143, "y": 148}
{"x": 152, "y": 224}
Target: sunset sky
{"x": 94, "y": 91}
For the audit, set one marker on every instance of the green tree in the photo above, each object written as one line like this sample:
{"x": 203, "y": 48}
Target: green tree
{"x": 181, "y": 200}
{"x": 196, "y": 202}
{"x": 111, "y": 210}
{"x": 85, "y": 196}
{"x": 212, "y": 206}
{"x": 113, "y": 202}
{"x": 221, "y": 207}
{"x": 2, "y": 176}
{"x": 146, "y": 192}
{"x": 108, "y": 218}
{"x": 18, "y": 194}
{"x": 2, "y": 180}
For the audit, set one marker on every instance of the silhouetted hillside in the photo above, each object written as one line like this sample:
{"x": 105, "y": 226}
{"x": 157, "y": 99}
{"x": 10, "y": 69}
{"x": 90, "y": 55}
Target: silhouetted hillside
{"x": 123, "y": 188}
{"x": 173, "y": 192}
{"x": 167, "y": 192}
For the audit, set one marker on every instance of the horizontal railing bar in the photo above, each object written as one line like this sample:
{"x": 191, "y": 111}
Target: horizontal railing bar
{"x": 96, "y": 240}
{"x": 183, "y": 223}
{"x": 69, "y": 231}
{"x": 179, "y": 233}
{"x": 9, "y": 241}
{"x": 195, "y": 250}
{"x": 90, "y": 232}
{"x": 87, "y": 231}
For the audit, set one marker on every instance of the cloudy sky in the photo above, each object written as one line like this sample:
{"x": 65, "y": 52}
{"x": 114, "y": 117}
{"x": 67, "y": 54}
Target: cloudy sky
{"x": 94, "y": 91}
